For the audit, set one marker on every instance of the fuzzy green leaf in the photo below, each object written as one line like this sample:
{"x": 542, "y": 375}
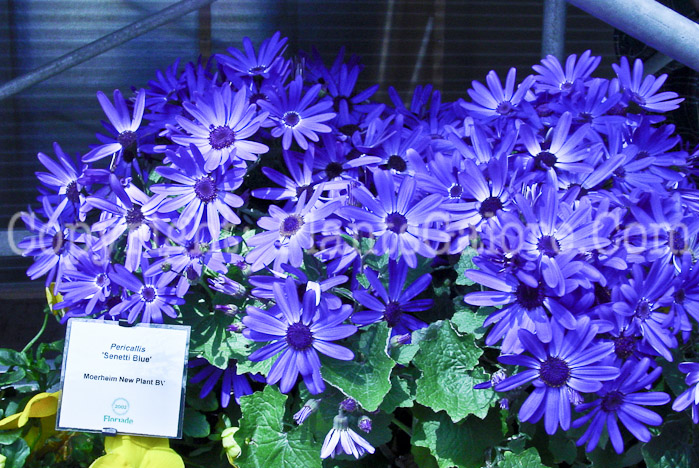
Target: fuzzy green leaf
{"x": 447, "y": 362}
{"x": 262, "y": 438}
{"x": 460, "y": 445}
{"x": 195, "y": 424}
{"x": 367, "y": 377}
{"x": 527, "y": 459}
{"x": 465, "y": 263}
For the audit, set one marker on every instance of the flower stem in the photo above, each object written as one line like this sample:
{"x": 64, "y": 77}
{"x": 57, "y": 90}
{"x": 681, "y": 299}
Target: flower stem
{"x": 402, "y": 427}
{"x": 36, "y": 337}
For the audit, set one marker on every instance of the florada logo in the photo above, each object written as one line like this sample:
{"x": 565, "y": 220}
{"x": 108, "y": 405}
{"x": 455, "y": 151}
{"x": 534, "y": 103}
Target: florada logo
{"x": 120, "y": 407}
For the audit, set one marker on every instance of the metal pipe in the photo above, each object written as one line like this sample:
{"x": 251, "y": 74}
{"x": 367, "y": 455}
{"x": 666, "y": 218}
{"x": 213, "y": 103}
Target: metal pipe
{"x": 554, "y": 29}
{"x": 101, "y": 45}
{"x": 652, "y": 23}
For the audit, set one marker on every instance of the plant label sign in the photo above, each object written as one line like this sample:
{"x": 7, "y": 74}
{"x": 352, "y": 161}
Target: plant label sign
{"x": 128, "y": 380}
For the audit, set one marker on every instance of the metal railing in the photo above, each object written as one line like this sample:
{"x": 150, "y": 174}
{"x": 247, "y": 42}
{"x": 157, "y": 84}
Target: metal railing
{"x": 101, "y": 45}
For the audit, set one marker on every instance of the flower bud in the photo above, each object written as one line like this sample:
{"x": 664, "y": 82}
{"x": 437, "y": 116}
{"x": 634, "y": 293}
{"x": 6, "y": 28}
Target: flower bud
{"x": 364, "y": 424}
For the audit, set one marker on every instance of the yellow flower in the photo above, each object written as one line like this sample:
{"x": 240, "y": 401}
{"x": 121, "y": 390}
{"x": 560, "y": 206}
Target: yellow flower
{"x": 124, "y": 451}
{"x": 43, "y": 407}
{"x": 230, "y": 445}
{"x": 54, "y": 299}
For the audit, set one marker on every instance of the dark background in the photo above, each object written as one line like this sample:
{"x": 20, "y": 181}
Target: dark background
{"x": 467, "y": 39}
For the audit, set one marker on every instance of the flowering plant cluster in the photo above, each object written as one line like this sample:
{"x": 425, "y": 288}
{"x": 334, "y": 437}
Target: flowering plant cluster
{"x": 439, "y": 283}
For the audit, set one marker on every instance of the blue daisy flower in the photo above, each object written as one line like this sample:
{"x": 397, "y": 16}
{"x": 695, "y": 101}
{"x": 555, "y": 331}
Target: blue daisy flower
{"x": 623, "y": 400}
{"x": 569, "y": 364}
{"x": 297, "y": 331}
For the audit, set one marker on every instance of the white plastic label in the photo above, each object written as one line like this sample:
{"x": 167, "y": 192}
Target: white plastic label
{"x": 125, "y": 379}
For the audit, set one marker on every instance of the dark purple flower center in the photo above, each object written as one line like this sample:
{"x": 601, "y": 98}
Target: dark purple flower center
{"x": 258, "y": 97}
{"x": 504, "y": 108}
{"x": 620, "y": 172}
{"x": 585, "y": 117}
{"x": 334, "y": 169}
{"x": 528, "y": 297}
{"x": 543, "y": 110}
{"x": 148, "y": 293}
{"x": 545, "y": 160}
{"x": 258, "y": 70}
{"x": 642, "y": 154}
{"x": 290, "y": 225}
{"x": 566, "y": 85}
{"x": 643, "y": 309}
{"x": 58, "y": 243}
{"x": 397, "y": 163}
{"x": 349, "y": 129}
{"x": 101, "y": 280}
{"x": 554, "y": 372}
{"x": 680, "y": 296}
{"x": 291, "y": 119}
{"x": 196, "y": 249}
{"x": 392, "y": 314}
{"x": 612, "y": 401}
{"x": 134, "y": 217}
{"x": 205, "y": 189}
{"x": 624, "y": 346}
{"x": 455, "y": 191}
{"x": 677, "y": 243}
{"x": 396, "y": 222}
{"x": 337, "y": 101}
{"x": 221, "y": 137}
{"x": 490, "y": 207}
{"x": 299, "y": 336}
{"x": 73, "y": 192}
{"x": 127, "y": 139}
{"x": 549, "y": 245}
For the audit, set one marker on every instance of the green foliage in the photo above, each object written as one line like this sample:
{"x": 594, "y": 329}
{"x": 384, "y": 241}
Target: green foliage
{"x": 367, "y": 377}
{"x": 462, "y": 445}
{"x": 263, "y": 439}
{"x": 465, "y": 263}
{"x": 675, "y": 447}
{"x": 195, "y": 424}
{"x": 447, "y": 361}
{"x": 527, "y": 459}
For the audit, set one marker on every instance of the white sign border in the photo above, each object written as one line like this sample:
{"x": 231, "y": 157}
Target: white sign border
{"x": 122, "y": 323}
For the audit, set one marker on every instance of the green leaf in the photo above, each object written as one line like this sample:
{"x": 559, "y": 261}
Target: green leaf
{"x": 10, "y": 357}
{"x": 467, "y": 320}
{"x": 207, "y": 404}
{"x": 259, "y": 367}
{"x": 367, "y": 377}
{"x": 195, "y": 424}
{"x": 562, "y": 448}
{"x": 423, "y": 458}
{"x": 404, "y": 354}
{"x": 262, "y": 438}
{"x": 462, "y": 445}
{"x": 13, "y": 376}
{"x": 8, "y": 437}
{"x": 210, "y": 339}
{"x": 674, "y": 447}
{"x": 465, "y": 263}
{"x": 16, "y": 453}
{"x": 527, "y": 459}
{"x": 401, "y": 395}
{"x": 447, "y": 362}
